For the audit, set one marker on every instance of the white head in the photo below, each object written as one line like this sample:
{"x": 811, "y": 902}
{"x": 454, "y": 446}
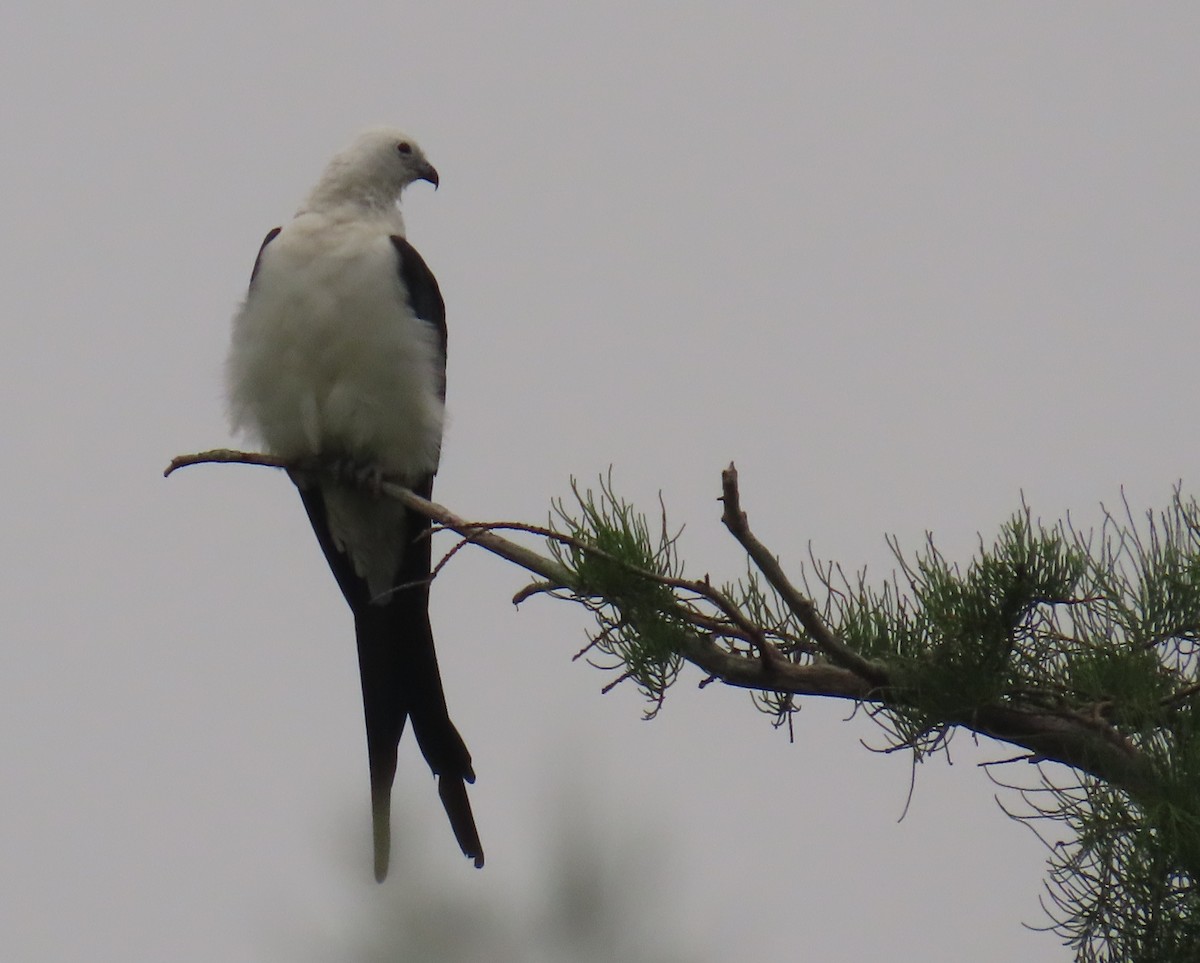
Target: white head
{"x": 372, "y": 171}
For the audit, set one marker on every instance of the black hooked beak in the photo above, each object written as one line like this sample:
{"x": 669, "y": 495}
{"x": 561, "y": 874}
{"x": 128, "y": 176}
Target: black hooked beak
{"x": 429, "y": 173}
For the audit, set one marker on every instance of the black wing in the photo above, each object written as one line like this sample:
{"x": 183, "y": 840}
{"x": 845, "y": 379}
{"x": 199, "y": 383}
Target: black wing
{"x": 262, "y": 247}
{"x": 424, "y": 295}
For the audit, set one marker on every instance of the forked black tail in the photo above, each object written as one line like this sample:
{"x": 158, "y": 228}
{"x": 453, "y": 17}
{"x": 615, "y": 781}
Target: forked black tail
{"x": 400, "y": 680}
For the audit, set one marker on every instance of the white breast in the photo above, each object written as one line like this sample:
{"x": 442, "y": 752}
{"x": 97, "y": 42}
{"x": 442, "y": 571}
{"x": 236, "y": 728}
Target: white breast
{"x": 328, "y": 358}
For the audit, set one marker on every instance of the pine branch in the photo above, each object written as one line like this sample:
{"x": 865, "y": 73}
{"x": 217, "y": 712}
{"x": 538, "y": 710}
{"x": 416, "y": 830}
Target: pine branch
{"x": 1051, "y": 735}
{"x": 1081, "y": 650}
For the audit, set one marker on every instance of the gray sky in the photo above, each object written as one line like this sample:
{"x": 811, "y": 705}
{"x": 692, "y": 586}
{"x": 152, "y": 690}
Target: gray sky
{"x": 900, "y": 262}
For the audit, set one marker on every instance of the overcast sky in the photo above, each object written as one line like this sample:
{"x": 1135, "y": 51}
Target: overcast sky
{"x": 901, "y": 262}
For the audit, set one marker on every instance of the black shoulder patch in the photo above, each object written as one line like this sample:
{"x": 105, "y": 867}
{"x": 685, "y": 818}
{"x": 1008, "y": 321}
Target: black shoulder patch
{"x": 423, "y": 293}
{"x": 258, "y": 260}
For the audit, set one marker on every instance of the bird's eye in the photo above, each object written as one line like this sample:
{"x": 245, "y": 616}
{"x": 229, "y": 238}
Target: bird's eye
{"x": 404, "y": 147}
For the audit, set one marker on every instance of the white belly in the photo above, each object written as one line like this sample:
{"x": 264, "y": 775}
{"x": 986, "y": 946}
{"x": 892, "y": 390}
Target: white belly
{"x": 327, "y": 357}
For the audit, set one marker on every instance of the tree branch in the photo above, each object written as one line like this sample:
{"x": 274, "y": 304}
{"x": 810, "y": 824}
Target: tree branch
{"x": 477, "y": 534}
{"x": 802, "y": 607}
{"x": 1051, "y": 735}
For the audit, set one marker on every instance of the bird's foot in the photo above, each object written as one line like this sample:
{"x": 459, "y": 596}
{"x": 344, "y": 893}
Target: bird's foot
{"x": 351, "y": 471}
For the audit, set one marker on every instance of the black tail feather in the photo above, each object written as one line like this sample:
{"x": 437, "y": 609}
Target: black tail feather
{"x": 400, "y": 680}
{"x": 453, "y": 793}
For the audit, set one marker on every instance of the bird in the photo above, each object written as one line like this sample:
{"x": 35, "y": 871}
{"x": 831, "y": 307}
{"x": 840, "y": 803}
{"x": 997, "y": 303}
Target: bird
{"x": 337, "y": 358}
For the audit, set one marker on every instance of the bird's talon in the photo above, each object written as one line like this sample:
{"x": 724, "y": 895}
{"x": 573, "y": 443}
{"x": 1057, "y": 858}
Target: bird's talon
{"x": 360, "y": 474}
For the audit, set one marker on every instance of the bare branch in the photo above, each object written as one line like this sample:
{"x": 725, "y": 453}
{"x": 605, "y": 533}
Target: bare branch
{"x": 802, "y": 607}
{"x": 473, "y": 532}
{"x": 226, "y": 456}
